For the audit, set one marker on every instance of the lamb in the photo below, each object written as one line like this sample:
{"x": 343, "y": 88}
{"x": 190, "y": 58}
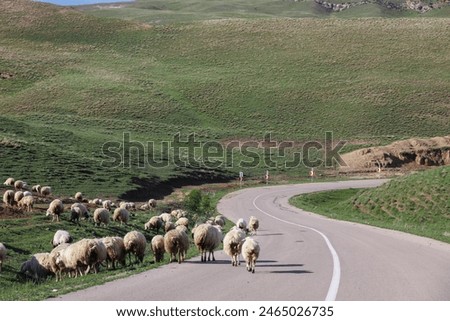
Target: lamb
{"x": 121, "y": 215}
{"x": 155, "y": 223}
{"x": 9, "y": 181}
{"x": 46, "y": 191}
{"x": 79, "y": 196}
{"x": 242, "y": 224}
{"x": 56, "y": 208}
{"x": 135, "y": 243}
{"x": 115, "y": 249}
{"x": 250, "y": 253}
{"x": 253, "y": 225}
{"x": 176, "y": 243}
{"x": 2, "y": 255}
{"x": 101, "y": 215}
{"x": 232, "y": 244}
{"x": 26, "y": 203}
{"x": 37, "y": 268}
{"x": 158, "y": 247}
{"x": 207, "y": 238}
{"x": 60, "y": 237}
{"x": 8, "y": 198}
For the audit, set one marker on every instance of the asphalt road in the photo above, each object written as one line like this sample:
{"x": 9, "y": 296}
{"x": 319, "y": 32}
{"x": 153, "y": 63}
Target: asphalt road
{"x": 304, "y": 257}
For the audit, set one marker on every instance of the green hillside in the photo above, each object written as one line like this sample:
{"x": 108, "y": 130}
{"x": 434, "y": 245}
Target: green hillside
{"x": 418, "y": 203}
{"x": 72, "y": 82}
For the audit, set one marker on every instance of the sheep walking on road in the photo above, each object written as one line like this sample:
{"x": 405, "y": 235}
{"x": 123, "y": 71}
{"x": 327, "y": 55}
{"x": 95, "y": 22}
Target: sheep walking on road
{"x": 232, "y": 244}
{"x": 135, "y": 243}
{"x": 207, "y": 238}
{"x": 253, "y": 225}
{"x": 250, "y": 253}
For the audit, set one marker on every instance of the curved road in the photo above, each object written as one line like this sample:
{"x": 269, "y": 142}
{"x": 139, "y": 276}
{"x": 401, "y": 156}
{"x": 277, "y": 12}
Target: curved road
{"x": 304, "y": 257}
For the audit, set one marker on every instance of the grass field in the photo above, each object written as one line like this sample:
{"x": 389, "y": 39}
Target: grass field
{"x": 418, "y": 203}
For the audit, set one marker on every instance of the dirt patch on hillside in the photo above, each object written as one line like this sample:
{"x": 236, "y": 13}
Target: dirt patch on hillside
{"x": 407, "y": 154}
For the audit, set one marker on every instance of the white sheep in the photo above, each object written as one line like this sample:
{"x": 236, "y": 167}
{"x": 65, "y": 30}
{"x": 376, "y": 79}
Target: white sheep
{"x": 8, "y": 198}
{"x": 165, "y": 217}
{"x": 232, "y": 244}
{"x": 169, "y": 226}
{"x": 115, "y": 249}
{"x": 253, "y": 225}
{"x": 56, "y": 208}
{"x": 27, "y": 193}
{"x": 38, "y": 267}
{"x": 18, "y": 196}
{"x": 101, "y": 216}
{"x": 36, "y": 188}
{"x": 182, "y": 228}
{"x": 250, "y": 253}
{"x": 9, "y": 181}
{"x": 219, "y": 220}
{"x": 2, "y": 255}
{"x": 144, "y": 207}
{"x": 78, "y": 211}
{"x": 121, "y": 215}
{"x": 151, "y": 203}
{"x": 135, "y": 243}
{"x": 79, "y": 196}
{"x": 158, "y": 250}
{"x": 46, "y": 191}
{"x": 242, "y": 224}
{"x": 155, "y": 223}
{"x": 96, "y": 201}
{"x": 207, "y": 238}
{"x": 19, "y": 185}
{"x": 26, "y": 203}
{"x": 107, "y": 204}
{"x": 53, "y": 255}
{"x": 60, "y": 237}
{"x": 176, "y": 243}
{"x": 182, "y": 221}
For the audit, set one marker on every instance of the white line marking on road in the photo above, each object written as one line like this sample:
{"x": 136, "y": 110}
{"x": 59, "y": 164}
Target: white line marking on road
{"x": 336, "y": 277}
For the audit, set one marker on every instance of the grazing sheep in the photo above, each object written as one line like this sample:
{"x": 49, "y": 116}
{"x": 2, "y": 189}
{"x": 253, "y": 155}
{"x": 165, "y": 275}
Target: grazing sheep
{"x": 8, "y": 198}
{"x": 101, "y": 215}
{"x": 60, "y": 237}
{"x": 165, "y": 217}
{"x": 158, "y": 247}
{"x": 181, "y": 228}
{"x": 79, "y": 196}
{"x": 115, "y": 249}
{"x": 169, "y": 226}
{"x": 207, "y": 238}
{"x": 96, "y": 201}
{"x": 19, "y": 185}
{"x": 2, "y": 255}
{"x": 36, "y": 188}
{"x": 27, "y": 193}
{"x": 46, "y": 191}
{"x": 250, "y": 253}
{"x": 107, "y": 204}
{"x": 56, "y": 208}
{"x": 151, "y": 203}
{"x": 121, "y": 215}
{"x": 26, "y": 203}
{"x": 135, "y": 243}
{"x": 37, "y": 268}
{"x": 53, "y": 255}
{"x": 75, "y": 214}
{"x": 253, "y": 225}
{"x": 18, "y": 196}
{"x": 176, "y": 243}
{"x": 9, "y": 182}
{"x": 83, "y": 211}
{"x": 155, "y": 223}
{"x": 232, "y": 244}
{"x": 144, "y": 207}
{"x": 127, "y": 205}
{"x": 242, "y": 224}
{"x": 219, "y": 220}
{"x": 182, "y": 221}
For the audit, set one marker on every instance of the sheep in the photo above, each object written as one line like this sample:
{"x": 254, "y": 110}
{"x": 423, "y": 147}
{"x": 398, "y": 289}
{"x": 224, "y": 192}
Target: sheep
{"x": 155, "y": 223}
{"x": 38, "y": 267}
{"x": 165, "y": 217}
{"x": 250, "y": 253}
{"x": 19, "y": 185}
{"x": 96, "y": 201}
{"x": 178, "y": 213}
{"x": 169, "y": 226}
{"x": 2, "y": 255}
{"x": 56, "y": 208}
{"x": 144, "y": 207}
{"x": 242, "y": 224}
{"x": 26, "y": 203}
{"x": 207, "y": 238}
{"x": 27, "y": 193}
{"x": 181, "y": 228}
{"x": 115, "y": 249}
{"x": 53, "y": 255}
{"x": 135, "y": 243}
{"x": 9, "y": 181}
{"x": 176, "y": 243}
{"x": 121, "y": 215}
{"x": 253, "y": 225}
{"x": 107, "y": 204}
{"x": 151, "y": 203}
{"x": 46, "y": 191}
{"x": 36, "y": 188}
{"x": 158, "y": 250}
{"x": 81, "y": 256}
{"x": 18, "y": 196}
{"x": 79, "y": 196}
{"x": 60, "y": 237}
{"x": 219, "y": 220}
{"x": 82, "y": 211}
{"x": 182, "y": 221}
{"x": 232, "y": 244}
{"x": 8, "y": 198}
{"x": 101, "y": 215}
{"x": 127, "y": 205}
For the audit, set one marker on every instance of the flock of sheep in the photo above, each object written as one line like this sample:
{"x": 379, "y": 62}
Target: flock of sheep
{"x": 88, "y": 255}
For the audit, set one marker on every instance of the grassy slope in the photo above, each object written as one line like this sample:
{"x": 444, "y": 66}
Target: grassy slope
{"x": 417, "y": 204}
